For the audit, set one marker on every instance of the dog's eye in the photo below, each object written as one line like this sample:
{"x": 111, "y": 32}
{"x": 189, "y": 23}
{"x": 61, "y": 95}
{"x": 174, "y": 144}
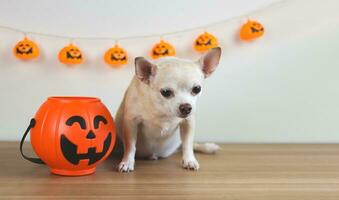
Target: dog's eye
{"x": 196, "y": 90}
{"x": 167, "y": 93}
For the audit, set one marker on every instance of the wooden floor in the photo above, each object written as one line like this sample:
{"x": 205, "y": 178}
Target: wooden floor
{"x": 263, "y": 172}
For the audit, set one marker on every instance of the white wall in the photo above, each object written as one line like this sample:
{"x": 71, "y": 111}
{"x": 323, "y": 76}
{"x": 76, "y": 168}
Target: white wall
{"x": 281, "y": 88}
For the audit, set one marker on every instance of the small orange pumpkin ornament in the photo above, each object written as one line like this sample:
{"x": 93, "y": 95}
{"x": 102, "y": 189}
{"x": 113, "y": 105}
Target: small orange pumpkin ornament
{"x": 72, "y": 135}
{"x": 26, "y": 49}
{"x": 116, "y": 56}
{"x": 205, "y": 42}
{"x": 251, "y": 30}
{"x": 70, "y": 55}
{"x": 162, "y": 49}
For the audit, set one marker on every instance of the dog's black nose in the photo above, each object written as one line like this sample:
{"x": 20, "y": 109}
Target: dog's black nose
{"x": 185, "y": 108}
{"x": 90, "y": 135}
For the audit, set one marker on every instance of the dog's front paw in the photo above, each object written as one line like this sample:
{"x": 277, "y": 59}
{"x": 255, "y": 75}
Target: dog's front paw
{"x": 191, "y": 164}
{"x": 126, "y": 166}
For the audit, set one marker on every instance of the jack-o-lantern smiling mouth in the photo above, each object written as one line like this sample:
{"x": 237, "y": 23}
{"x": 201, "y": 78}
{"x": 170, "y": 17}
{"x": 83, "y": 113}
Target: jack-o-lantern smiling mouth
{"x": 254, "y": 30}
{"x": 161, "y": 54}
{"x": 209, "y": 42}
{"x": 69, "y": 148}
{"x": 117, "y": 59}
{"x": 70, "y": 56}
{"x": 29, "y": 51}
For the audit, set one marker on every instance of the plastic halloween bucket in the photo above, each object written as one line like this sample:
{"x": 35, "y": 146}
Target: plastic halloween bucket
{"x": 71, "y": 135}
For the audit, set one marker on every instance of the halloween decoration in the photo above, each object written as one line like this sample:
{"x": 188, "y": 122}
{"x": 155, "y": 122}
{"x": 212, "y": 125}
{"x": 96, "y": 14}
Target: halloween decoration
{"x": 26, "y": 49}
{"x": 162, "y": 49}
{"x": 70, "y": 55}
{"x": 116, "y": 56}
{"x": 205, "y": 42}
{"x": 71, "y": 134}
{"x": 251, "y": 30}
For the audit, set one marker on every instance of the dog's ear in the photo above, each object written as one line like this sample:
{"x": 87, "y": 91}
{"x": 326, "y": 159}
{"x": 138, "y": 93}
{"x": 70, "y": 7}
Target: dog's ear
{"x": 210, "y": 60}
{"x": 145, "y": 70}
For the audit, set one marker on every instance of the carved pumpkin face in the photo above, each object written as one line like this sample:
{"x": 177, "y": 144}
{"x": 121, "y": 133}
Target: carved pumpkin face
{"x": 205, "y": 42}
{"x": 162, "y": 49}
{"x": 116, "y": 56}
{"x": 26, "y": 49}
{"x": 76, "y": 142}
{"x": 70, "y": 55}
{"x": 251, "y": 30}
{"x": 73, "y": 134}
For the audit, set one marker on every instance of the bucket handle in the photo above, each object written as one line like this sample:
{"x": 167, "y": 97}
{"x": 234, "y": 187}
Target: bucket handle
{"x": 34, "y": 160}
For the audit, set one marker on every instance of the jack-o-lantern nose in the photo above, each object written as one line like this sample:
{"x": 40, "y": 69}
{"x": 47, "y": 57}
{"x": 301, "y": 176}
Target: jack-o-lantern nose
{"x": 90, "y": 135}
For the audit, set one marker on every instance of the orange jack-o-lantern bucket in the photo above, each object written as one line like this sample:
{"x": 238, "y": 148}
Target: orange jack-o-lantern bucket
{"x": 71, "y": 135}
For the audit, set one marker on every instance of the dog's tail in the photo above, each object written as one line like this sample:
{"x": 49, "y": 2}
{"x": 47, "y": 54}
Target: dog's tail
{"x": 208, "y": 148}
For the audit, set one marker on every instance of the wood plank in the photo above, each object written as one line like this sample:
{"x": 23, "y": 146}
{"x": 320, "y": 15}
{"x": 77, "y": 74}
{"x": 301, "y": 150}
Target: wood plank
{"x": 238, "y": 171}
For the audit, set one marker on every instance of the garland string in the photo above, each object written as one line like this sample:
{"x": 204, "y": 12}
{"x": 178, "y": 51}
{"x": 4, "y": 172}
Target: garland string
{"x": 71, "y": 38}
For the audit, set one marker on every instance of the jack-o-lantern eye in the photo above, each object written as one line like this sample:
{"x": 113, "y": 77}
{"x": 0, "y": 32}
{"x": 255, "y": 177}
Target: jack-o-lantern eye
{"x": 97, "y": 120}
{"x": 76, "y": 119}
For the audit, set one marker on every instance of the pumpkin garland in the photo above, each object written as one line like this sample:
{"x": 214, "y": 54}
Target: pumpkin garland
{"x": 205, "y": 42}
{"x": 251, "y": 30}
{"x": 26, "y": 49}
{"x": 162, "y": 49}
{"x": 70, "y": 55}
{"x": 116, "y": 56}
